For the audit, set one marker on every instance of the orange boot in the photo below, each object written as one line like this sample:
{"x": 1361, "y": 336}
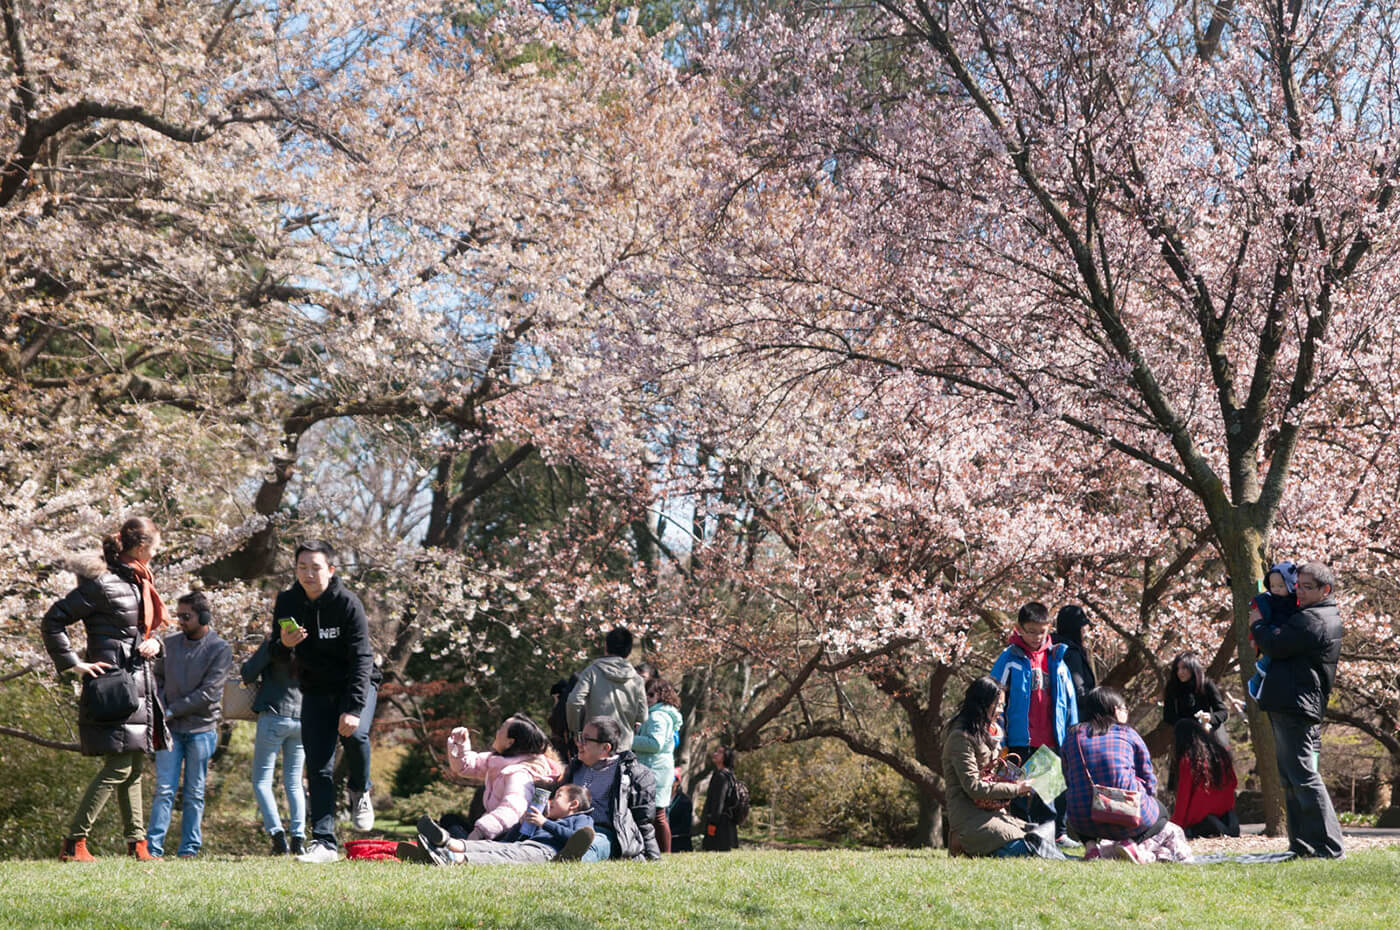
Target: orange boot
{"x": 75, "y": 850}
{"x": 136, "y": 849}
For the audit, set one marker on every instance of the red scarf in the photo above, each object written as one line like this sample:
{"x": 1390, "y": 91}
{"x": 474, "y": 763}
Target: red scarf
{"x": 153, "y": 613}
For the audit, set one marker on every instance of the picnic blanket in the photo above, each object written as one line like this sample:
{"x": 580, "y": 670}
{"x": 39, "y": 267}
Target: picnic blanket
{"x": 1242, "y": 858}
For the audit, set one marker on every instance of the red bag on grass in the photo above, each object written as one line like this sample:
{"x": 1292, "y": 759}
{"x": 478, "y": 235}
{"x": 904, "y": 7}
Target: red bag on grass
{"x": 372, "y": 849}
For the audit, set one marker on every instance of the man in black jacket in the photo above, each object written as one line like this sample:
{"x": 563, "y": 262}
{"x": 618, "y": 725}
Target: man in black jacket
{"x": 1304, "y": 647}
{"x": 334, "y": 663}
{"x": 623, "y": 790}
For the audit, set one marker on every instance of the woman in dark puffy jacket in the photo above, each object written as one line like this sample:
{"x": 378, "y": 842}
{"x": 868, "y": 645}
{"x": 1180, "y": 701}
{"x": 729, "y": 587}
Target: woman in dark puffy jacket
{"x": 117, "y": 603}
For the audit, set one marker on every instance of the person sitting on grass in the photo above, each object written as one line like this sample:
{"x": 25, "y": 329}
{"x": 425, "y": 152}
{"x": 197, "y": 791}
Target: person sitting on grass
{"x": 1189, "y": 694}
{"x": 978, "y": 822}
{"x": 1204, "y": 781}
{"x": 623, "y": 790}
{"x": 519, "y": 758}
{"x": 1104, "y": 752}
{"x": 563, "y": 829}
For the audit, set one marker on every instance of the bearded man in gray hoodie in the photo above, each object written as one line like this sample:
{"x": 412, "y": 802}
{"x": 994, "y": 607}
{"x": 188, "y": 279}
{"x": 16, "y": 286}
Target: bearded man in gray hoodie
{"x": 190, "y": 674}
{"x": 610, "y": 687}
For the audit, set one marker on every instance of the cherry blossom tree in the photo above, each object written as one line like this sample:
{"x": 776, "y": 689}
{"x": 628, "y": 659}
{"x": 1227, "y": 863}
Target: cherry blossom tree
{"x": 873, "y": 541}
{"x": 881, "y": 320}
{"x": 262, "y": 261}
{"x": 1170, "y": 228}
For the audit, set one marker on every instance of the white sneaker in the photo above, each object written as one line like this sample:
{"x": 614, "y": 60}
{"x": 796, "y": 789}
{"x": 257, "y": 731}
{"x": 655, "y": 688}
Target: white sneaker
{"x": 318, "y": 851}
{"x": 361, "y": 811}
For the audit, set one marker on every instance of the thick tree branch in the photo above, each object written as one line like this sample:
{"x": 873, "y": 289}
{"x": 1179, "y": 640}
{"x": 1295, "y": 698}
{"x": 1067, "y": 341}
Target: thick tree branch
{"x": 748, "y": 736}
{"x": 873, "y": 748}
{"x": 1220, "y": 16}
{"x": 19, "y": 673}
{"x": 39, "y": 740}
{"x": 1386, "y": 737}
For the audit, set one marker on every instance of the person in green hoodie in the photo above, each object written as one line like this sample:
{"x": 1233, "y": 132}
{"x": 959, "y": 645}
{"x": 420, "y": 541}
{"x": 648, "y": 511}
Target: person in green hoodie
{"x": 610, "y": 687}
{"x": 655, "y": 747}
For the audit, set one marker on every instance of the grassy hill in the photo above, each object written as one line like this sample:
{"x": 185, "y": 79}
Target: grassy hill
{"x": 886, "y": 889}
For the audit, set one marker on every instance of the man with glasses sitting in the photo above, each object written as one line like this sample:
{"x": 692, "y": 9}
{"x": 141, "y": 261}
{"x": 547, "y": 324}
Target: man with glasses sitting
{"x": 623, "y": 790}
{"x": 1303, "y": 648}
{"x": 190, "y": 673}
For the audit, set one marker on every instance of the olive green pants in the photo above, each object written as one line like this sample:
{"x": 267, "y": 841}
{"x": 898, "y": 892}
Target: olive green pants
{"x": 121, "y": 772}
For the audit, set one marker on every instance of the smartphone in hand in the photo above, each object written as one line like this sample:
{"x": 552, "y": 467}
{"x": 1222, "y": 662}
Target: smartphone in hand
{"x": 289, "y": 625}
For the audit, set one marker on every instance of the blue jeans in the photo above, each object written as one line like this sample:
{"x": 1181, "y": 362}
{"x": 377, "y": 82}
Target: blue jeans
{"x": 192, "y": 751}
{"x": 320, "y": 718}
{"x": 600, "y": 850}
{"x": 278, "y": 734}
{"x": 1030, "y": 845}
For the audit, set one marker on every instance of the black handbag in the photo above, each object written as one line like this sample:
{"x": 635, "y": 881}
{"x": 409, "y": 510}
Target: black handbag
{"x": 112, "y": 696}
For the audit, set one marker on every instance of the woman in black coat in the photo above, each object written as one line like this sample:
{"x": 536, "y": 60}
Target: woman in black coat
{"x": 719, "y": 832}
{"x": 1189, "y": 693}
{"x": 1069, "y": 630}
{"x": 117, "y": 603}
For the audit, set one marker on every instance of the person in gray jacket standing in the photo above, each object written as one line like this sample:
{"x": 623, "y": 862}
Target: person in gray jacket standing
{"x": 610, "y": 687}
{"x": 1304, "y": 647}
{"x": 190, "y": 674}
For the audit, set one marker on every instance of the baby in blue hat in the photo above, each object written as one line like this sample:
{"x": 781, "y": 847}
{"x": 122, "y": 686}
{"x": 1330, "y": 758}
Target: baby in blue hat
{"x": 1278, "y": 601}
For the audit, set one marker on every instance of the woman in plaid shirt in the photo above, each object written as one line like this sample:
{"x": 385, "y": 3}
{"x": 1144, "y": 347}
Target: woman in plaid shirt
{"x": 1106, "y": 751}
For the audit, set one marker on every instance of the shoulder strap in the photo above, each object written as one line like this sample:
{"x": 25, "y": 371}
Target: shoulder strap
{"x": 1073, "y": 736}
{"x": 131, "y": 658}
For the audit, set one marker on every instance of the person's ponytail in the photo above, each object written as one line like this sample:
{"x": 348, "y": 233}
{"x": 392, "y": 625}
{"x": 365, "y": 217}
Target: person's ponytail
{"x": 111, "y": 549}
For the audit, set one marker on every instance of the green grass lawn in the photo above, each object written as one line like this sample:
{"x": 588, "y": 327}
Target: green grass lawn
{"x": 745, "y": 889}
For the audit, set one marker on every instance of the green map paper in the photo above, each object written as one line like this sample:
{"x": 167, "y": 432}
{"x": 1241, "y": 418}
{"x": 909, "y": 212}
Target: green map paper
{"x": 1043, "y": 772}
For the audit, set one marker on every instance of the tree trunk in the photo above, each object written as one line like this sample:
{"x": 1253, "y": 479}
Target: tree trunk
{"x": 929, "y": 831}
{"x": 1244, "y": 556}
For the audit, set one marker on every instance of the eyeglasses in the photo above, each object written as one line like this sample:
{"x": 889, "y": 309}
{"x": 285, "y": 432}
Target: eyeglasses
{"x": 1309, "y": 586}
{"x": 591, "y": 739}
{"x": 183, "y": 615}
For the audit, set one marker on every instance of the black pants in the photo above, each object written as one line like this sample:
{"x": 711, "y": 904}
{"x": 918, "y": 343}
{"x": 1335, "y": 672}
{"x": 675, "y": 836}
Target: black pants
{"x": 1313, "y": 829}
{"x": 1031, "y": 807}
{"x": 320, "y": 722}
{"x": 1211, "y": 825}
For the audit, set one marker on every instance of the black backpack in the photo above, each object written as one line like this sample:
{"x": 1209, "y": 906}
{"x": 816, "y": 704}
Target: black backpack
{"x": 740, "y": 811}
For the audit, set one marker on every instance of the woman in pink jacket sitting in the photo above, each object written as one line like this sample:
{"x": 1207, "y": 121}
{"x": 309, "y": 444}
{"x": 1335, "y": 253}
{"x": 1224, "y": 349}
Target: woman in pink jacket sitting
{"x": 520, "y": 756}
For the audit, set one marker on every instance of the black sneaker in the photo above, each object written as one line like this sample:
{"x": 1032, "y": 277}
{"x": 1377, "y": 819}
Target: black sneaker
{"x": 298, "y": 845}
{"x": 432, "y": 831}
{"x": 279, "y": 843}
{"x": 576, "y": 845}
{"x": 437, "y": 855}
